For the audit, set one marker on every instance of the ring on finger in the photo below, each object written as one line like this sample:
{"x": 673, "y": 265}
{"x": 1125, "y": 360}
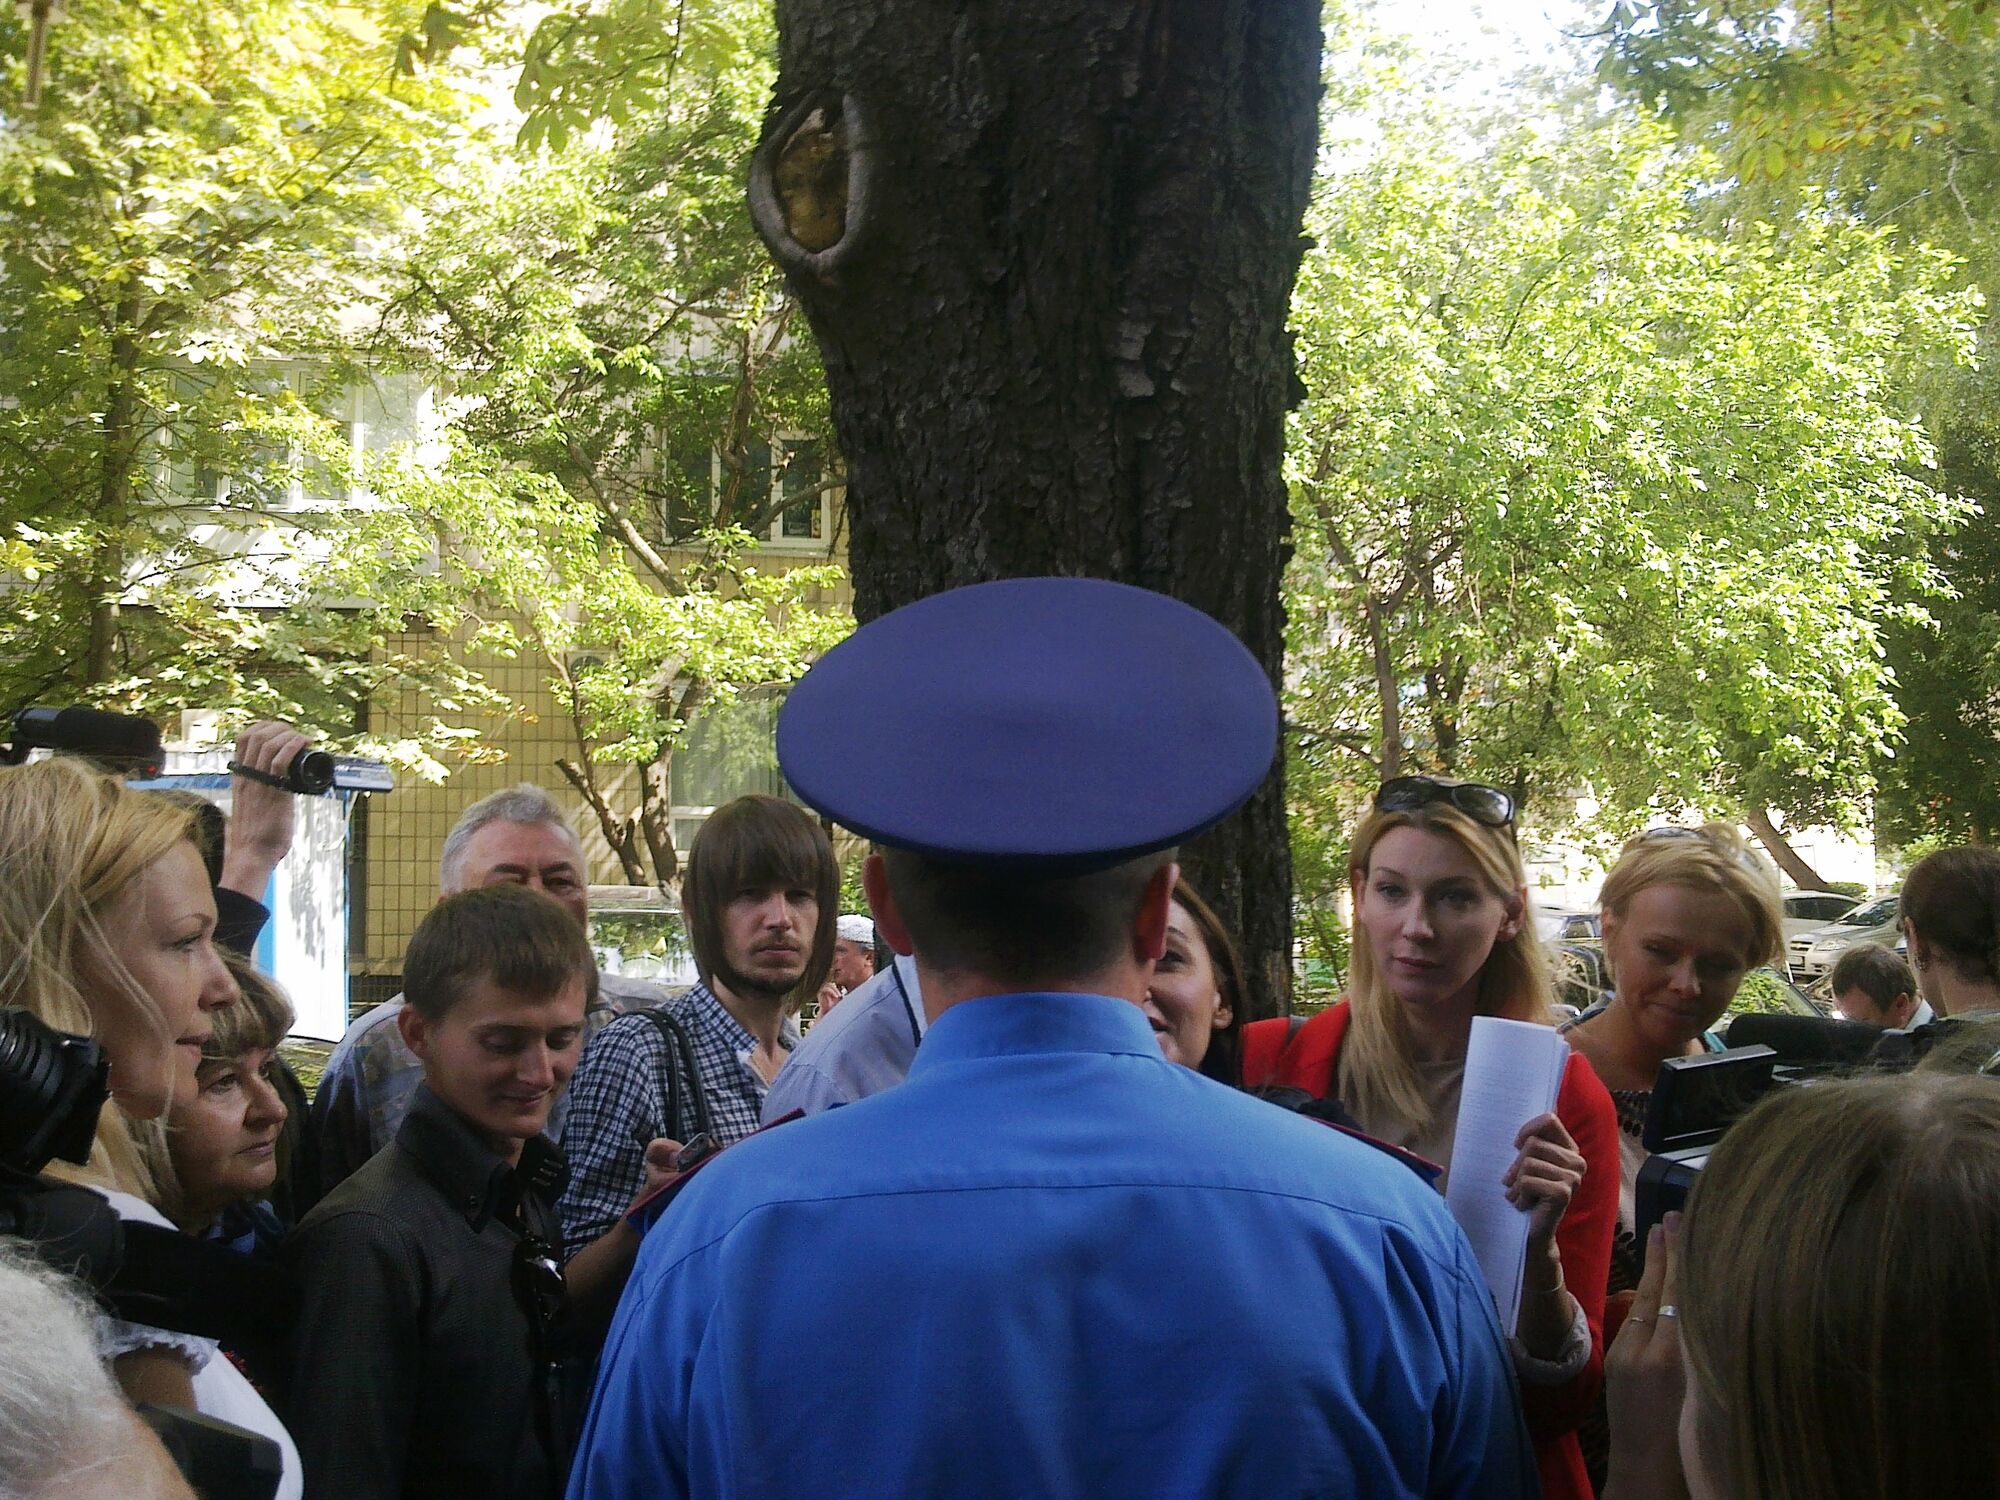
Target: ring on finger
{"x": 1670, "y": 1311}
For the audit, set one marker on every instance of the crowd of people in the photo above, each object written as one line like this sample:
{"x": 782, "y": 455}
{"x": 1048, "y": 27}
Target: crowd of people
{"x": 1037, "y": 1206}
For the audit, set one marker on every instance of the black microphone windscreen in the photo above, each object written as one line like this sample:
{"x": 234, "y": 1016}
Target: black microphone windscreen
{"x": 88, "y": 731}
{"x": 1807, "y": 1040}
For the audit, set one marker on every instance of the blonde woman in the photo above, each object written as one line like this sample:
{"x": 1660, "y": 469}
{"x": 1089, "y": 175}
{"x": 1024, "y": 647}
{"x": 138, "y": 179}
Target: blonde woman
{"x": 1686, "y": 913}
{"x": 1833, "y": 1288}
{"x": 1441, "y": 935}
{"x": 107, "y": 923}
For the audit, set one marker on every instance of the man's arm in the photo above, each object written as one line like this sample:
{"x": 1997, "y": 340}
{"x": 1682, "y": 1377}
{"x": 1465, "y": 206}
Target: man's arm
{"x": 614, "y": 1111}
{"x": 1481, "y": 1448}
{"x": 801, "y": 1086}
{"x": 262, "y": 818}
{"x": 353, "y": 1366}
{"x": 339, "y": 1124}
{"x": 635, "y": 1442}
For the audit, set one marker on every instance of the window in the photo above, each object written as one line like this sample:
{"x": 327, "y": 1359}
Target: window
{"x": 215, "y": 448}
{"x": 784, "y": 496}
{"x": 730, "y": 751}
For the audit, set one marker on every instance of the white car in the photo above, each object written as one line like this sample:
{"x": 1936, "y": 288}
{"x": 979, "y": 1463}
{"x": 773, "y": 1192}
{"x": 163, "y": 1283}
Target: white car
{"x": 1813, "y": 953}
{"x": 1807, "y": 910}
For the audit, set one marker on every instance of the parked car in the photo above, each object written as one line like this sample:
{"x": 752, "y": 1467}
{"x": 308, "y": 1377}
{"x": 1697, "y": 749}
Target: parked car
{"x": 1807, "y": 910}
{"x": 1556, "y": 925}
{"x": 1581, "y": 980}
{"x": 1767, "y": 991}
{"x": 1812, "y": 953}
{"x": 635, "y": 930}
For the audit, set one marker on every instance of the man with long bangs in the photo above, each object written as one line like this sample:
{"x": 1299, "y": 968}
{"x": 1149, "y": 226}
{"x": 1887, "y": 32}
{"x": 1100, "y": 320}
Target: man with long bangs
{"x": 759, "y": 895}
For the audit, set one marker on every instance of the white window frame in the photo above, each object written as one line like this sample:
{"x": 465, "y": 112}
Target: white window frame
{"x": 773, "y": 537}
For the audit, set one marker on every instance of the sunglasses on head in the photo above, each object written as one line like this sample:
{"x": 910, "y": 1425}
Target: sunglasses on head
{"x": 1670, "y": 832}
{"x": 1483, "y": 804}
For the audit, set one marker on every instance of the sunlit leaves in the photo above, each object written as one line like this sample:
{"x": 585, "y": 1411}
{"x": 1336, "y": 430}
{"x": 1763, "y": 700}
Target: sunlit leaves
{"x": 1626, "y": 498}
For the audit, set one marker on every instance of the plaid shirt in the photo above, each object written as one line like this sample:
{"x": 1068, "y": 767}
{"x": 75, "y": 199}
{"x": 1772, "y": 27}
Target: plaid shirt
{"x": 372, "y": 1077}
{"x": 617, "y": 1103}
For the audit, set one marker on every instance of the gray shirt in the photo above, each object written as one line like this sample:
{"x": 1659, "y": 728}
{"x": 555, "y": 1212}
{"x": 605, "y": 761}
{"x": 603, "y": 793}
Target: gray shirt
{"x": 865, "y": 1045}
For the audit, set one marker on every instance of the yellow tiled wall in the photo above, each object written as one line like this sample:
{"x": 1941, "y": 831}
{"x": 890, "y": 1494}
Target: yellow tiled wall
{"x": 406, "y": 829}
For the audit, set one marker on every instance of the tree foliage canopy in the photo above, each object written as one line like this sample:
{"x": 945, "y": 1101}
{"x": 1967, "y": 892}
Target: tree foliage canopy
{"x": 1591, "y": 497}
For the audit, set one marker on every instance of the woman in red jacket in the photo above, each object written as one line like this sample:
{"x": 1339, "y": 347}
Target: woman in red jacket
{"x": 1442, "y": 933}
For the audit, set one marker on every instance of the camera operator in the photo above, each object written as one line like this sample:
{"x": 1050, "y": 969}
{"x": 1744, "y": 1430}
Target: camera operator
{"x": 263, "y": 816}
{"x": 1827, "y": 1316}
{"x": 107, "y": 926}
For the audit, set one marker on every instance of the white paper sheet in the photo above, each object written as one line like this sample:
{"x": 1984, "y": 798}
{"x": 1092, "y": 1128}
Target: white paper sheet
{"x": 1513, "y": 1071}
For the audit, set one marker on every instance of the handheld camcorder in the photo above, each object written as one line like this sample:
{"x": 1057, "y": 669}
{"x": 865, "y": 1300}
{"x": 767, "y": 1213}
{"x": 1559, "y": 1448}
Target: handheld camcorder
{"x": 130, "y": 746}
{"x": 1694, "y": 1101}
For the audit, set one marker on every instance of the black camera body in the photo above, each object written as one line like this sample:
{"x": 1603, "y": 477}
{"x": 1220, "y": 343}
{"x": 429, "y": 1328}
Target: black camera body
{"x": 52, "y": 1085}
{"x": 1695, "y": 1100}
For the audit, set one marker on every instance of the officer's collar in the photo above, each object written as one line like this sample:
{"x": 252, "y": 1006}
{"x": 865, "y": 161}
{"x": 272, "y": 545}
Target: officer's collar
{"x": 1043, "y": 1022}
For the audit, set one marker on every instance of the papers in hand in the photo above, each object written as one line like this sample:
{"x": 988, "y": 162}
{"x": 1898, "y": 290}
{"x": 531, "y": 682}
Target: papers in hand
{"x": 1513, "y": 1071}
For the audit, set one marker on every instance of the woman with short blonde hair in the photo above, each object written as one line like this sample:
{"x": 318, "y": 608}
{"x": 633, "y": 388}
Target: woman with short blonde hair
{"x": 1686, "y": 913}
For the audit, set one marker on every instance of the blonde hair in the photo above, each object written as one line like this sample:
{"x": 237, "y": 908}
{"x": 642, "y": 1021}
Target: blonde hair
{"x": 1713, "y": 860}
{"x": 71, "y": 840}
{"x": 1377, "y": 1074}
{"x": 1837, "y": 1292}
{"x": 260, "y": 1020}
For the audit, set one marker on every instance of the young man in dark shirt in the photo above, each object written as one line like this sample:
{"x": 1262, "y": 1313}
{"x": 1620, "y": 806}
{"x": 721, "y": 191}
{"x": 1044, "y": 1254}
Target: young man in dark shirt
{"x": 422, "y": 1362}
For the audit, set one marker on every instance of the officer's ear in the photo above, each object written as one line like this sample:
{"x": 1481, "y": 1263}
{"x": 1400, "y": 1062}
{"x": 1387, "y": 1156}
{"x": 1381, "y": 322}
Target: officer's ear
{"x": 882, "y": 905}
{"x": 1149, "y": 926}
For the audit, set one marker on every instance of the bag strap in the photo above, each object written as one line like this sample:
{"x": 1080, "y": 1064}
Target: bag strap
{"x": 680, "y": 1059}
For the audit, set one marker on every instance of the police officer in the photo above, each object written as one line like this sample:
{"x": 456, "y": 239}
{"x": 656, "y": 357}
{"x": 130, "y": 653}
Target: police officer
{"x": 1051, "y": 1262}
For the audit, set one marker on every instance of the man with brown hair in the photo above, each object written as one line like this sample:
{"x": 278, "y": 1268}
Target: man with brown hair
{"x": 759, "y": 895}
{"x": 423, "y": 1361}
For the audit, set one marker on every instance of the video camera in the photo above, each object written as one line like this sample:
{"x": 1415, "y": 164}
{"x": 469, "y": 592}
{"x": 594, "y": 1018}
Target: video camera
{"x": 1696, "y": 1099}
{"x": 52, "y": 1085}
{"x": 130, "y": 745}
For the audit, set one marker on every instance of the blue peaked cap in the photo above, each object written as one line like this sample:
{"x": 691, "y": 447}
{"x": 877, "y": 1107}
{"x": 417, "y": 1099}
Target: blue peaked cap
{"x": 1059, "y": 724}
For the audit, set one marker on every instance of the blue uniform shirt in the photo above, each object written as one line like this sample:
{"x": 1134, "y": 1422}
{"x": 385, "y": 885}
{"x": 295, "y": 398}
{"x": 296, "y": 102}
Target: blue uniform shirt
{"x": 1054, "y": 1264}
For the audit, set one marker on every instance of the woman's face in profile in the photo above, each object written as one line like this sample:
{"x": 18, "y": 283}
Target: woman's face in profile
{"x": 1183, "y": 1001}
{"x": 160, "y": 929}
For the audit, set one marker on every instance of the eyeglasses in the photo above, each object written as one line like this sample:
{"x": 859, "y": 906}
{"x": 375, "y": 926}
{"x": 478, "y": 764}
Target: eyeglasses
{"x": 1483, "y": 804}
{"x": 539, "y": 1287}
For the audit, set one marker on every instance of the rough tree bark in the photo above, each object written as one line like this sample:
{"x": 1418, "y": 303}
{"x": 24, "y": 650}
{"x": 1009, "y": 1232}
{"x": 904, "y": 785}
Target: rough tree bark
{"x": 1047, "y": 249}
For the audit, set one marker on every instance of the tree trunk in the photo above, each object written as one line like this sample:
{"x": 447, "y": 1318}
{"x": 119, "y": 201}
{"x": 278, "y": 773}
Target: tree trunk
{"x": 1388, "y": 693}
{"x": 1789, "y": 860}
{"x": 1047, "y": 249}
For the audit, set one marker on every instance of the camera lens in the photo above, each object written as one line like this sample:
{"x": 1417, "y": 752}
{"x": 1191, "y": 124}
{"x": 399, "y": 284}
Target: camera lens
{"x": 310, "y": 772}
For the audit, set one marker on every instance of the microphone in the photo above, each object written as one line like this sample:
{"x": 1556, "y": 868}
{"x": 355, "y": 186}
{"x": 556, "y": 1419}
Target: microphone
{"x": 1808, "y": 1041}
{"x": 119, "y": 738}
